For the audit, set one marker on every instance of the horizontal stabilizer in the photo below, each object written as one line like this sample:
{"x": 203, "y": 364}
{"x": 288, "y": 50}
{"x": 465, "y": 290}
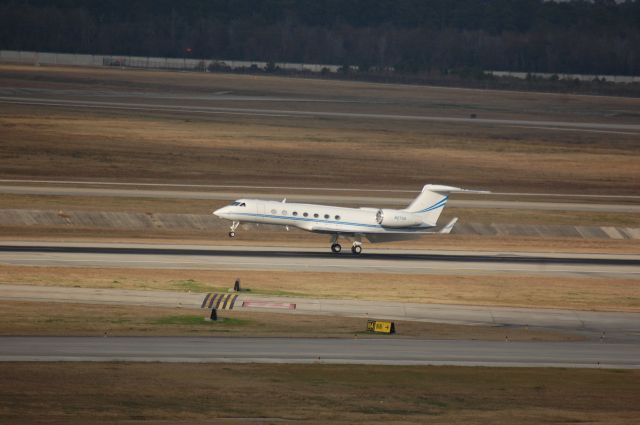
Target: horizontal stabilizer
{"x": 447, "y": 229}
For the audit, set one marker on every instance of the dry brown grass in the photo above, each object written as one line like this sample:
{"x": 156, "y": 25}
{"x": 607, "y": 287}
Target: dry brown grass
{"x": 170, "y": 150}
{"x": 439, "y": 100}
{"x": 500, "y": 290}
{"x": 80, "y": 393}
{"x": 149, "y": 146}
{"x": 66, "y": 319}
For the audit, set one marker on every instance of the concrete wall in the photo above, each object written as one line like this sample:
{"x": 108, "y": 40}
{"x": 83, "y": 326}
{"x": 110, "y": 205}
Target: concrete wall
{"x": 69, "y": 59}
{"x": 196, "y": 222}
{"x": 581, "y": 77}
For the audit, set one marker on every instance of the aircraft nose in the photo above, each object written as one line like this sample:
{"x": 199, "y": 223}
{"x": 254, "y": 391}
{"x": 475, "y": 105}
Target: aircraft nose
{"x": 219, "y": 212}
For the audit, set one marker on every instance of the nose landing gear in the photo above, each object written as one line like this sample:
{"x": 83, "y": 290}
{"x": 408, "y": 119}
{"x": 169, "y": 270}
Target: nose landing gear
{"x": 335, "y": 246}
{"x": 234, "y": 226}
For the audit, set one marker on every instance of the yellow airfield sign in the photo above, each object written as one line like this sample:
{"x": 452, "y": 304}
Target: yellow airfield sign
{"x": 381, "y": 326}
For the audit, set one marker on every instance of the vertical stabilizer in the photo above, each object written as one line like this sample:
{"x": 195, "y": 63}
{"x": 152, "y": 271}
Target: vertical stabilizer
{"x": 431, "y": 201}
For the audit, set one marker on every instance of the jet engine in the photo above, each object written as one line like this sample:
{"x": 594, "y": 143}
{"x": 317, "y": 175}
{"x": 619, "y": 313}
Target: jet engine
{"x": 397, "y": 218}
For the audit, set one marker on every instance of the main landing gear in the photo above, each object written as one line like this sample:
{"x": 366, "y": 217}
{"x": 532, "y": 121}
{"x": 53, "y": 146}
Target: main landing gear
{"x": 356, "y": 248}
{"x": 234, "y": 226}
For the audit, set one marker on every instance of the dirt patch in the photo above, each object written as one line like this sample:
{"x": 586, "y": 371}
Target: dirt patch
{"x": 80, "y": 393}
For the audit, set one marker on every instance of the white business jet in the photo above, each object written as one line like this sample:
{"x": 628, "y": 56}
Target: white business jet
{"x": 354, "y": 224}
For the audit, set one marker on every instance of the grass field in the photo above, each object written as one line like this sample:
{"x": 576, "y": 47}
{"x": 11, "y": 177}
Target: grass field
{"x": 499, "y": 290}
{"x": 313, "y": 394}
{"x": 62, "y": 143}
{"x": 65, "y": 319}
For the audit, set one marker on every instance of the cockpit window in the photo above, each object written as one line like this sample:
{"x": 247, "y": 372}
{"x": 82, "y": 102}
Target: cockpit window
{"x": 243, "y": 204}
{"x": 238, "y": 204}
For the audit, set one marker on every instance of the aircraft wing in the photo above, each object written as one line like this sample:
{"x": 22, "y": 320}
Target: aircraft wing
{"x": 390, "y": 235}
{"x": 399, "y": 235}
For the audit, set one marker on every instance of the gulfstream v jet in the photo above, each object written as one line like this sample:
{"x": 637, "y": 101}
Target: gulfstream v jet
{"x": 354, "y": 224}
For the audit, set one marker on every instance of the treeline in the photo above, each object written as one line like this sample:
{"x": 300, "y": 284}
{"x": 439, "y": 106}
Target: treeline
{"x": 410, "y": 36}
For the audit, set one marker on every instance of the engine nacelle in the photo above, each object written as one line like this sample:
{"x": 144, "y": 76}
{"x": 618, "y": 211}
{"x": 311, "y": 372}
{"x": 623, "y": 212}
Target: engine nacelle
{"x": 397, "y": 218}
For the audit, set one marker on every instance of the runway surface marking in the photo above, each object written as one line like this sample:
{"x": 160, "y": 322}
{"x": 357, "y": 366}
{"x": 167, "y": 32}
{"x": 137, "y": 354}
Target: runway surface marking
{"x": 575, "y": 126}
{"x": 391, "y": 351}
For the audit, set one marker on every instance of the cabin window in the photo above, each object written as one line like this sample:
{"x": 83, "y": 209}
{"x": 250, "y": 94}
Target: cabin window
{"x": 315, "y": 215}
{"x": 295, "y": 213}
{"x": 326, "y": 216}
{"x": 284, "y": 212}
{"x": 337, "y": 217}
{"x": 306, "y": 214}
{"x": 274, "y": 212}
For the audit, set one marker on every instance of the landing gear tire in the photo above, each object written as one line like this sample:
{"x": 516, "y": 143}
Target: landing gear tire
{"x": 356, "y": 249}
{"x": 336, "y": 248}
{"x": 232, "y": 234}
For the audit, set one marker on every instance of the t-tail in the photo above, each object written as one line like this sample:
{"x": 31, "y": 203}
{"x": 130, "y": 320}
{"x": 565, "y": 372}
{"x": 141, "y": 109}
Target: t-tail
{"x": 431, "y": 201}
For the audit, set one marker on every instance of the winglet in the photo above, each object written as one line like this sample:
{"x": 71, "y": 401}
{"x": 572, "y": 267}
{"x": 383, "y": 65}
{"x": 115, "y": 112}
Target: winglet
{"x": 447, "y": 229}
{"x": 438, "y": 188}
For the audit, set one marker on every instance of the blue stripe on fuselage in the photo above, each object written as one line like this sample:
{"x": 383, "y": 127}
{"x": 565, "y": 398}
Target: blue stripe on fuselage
{"x": 435, "y": 206}
{"x": 371, "y": 226}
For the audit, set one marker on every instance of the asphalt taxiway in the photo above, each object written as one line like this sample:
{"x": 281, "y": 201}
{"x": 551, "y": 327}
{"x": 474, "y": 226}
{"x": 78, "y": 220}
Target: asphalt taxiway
{"x": 389, "y": 351}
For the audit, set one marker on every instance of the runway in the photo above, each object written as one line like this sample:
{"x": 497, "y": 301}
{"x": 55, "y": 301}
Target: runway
{"x": 631, "y": 129}
{"x": 332, "y": 199}
{"x": 314, "y": 259}
{"x": 389, "y": 351}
